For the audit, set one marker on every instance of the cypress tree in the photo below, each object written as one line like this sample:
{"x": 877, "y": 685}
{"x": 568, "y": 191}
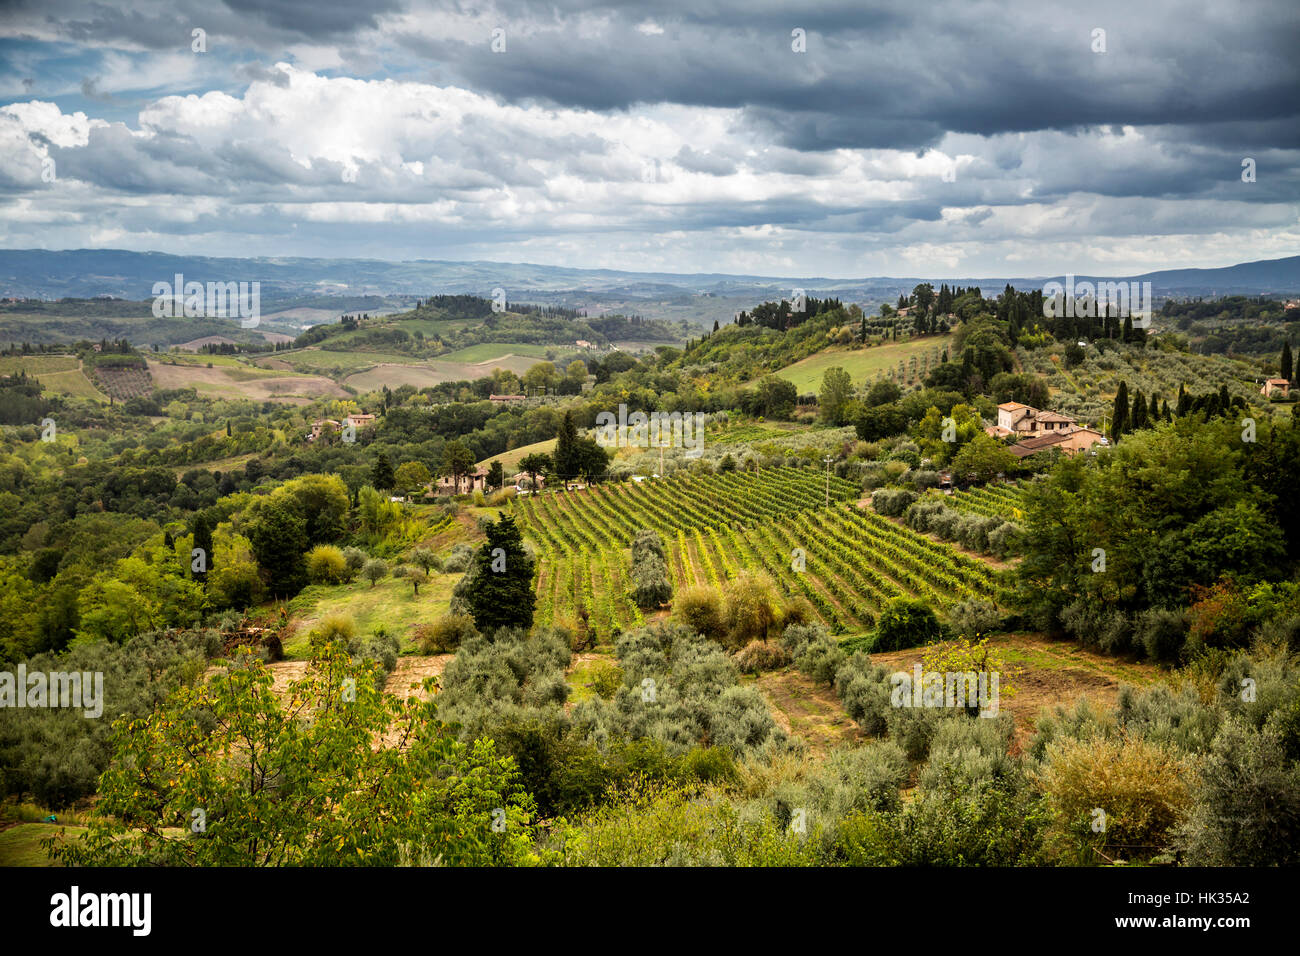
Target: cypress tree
{"x": 1139, "y": 414}
{"x": 1119, "y": 421}
{"x": 1288, "y": 366}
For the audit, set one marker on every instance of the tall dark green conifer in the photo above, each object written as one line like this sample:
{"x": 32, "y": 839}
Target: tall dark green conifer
{"x": 1138, "y": 417}
{"x": 1288, "y": 365}
{"x": 501, "y": 592}
{"x": 1119, "y": 420}
{"x": 566, "y": 454}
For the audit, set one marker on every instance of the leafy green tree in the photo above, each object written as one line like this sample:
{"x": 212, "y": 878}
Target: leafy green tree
{"x": 502, "y": 594}
{"x": 837, "y": 389}
{"x": 326, "y": 564}
{"x": 411, "y": 476}
{"x": 425, "y": 560}
{"x": 233, "y": 578}
{"x": 535, "y": 464}
{"x": 374, "y": 570}
{"x": 981, "y": 460}
{"x": 776, "y": 398}
{"x": 591, "y": 459}
{"x": 295, "y": 779}
{"x": 496, "y": 477}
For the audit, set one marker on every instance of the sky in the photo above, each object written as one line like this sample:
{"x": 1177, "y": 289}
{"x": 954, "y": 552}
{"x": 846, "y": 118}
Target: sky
{"x": 844, "y": 139}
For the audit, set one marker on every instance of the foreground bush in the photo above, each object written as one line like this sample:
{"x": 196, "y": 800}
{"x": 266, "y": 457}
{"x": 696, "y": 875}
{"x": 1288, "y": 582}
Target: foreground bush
{"x": 1120, "y": 797}
{"x": 758, "y": 656}
{"x": 699, "y": 608}
{"x": 445, "y": 634}
{"x": 326, "y": 794}
{"x": 326, "y": 564}
{"x": 906, "y": 622}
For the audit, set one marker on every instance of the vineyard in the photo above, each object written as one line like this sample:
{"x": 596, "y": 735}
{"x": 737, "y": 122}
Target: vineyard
{"x": 991, "y": 501}
{"x": 847, "y": 562}
{"x": 609, "y": 516}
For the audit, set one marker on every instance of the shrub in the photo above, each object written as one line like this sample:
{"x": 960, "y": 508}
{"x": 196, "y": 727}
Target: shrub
{"x": 355, "y": 559}
{"x": 905, "y": 622}
{"x": 604, "y": 678}
{"x": 1172, "y": 718}
{"x": 647, "y": 542}
{"x": 700, "y": 609}
{"x": 798, "y": 610}
{"x": 1246, "y": 803}
{"x": 335, "y": 629}
{"x": 651, "y": 586}
{"x": 970, "y": 753}
{"x": 1161, "y": 633}
{"x": 892, "y": 502}
{"x": 758, "y": 656}
{"x": 1082, "y": 722}
{"x": 382, "y": 648}
{"x": 326, "y": 565}
{"x": 974, "y": 616}
{"x": 459, "y": 559}
{"x": 864, "y": 689}
{"x": 1142, "y": 789}
{"x": 751, "y": 608}
{"x": 919, "y": 516}
{"x": 945, "y": 523}
{"x": 445, "y": 634}
{"x": 1091, "y": 623}
{"x": 1006, "y": 540}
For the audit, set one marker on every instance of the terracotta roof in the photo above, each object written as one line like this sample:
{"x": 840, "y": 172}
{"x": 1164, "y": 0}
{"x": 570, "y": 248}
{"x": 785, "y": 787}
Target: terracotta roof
{"x": 1012, "y": 406}
{"x": 1028, "y": 446}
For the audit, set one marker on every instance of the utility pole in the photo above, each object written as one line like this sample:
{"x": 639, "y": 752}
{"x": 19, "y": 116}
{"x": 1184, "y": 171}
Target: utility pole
{"x": 828, "y": 459}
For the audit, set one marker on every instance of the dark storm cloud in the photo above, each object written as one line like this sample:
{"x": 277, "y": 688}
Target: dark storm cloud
{"x": 903, "y": 74}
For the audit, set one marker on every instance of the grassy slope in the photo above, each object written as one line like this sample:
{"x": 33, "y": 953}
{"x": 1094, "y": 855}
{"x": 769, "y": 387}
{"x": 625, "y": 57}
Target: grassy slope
{"x": 861, "y": 364}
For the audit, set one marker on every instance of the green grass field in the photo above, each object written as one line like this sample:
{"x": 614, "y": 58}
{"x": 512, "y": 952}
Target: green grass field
{"x": 510, "y": 459}
{"x": 37, "y": 364}
{"x": 390, "y": 604}
{"x": 488, "y": 351}
{"x": 861, "y": 364}
{"x": 21, "y": 845}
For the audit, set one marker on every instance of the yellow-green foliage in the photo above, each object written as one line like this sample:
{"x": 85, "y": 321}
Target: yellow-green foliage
{"x": 1139, "y": 787}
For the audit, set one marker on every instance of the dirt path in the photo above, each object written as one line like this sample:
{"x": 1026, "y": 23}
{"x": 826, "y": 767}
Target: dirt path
{"x": 806, "y": 709}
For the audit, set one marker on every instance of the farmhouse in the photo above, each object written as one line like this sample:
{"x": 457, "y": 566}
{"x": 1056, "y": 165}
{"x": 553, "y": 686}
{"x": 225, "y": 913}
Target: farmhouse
{"x": 1275, "y": 385}
{"x": 319, "y": 426}
{"x": 474, "y": 481}
{"x": 360, "y": 420}
{"x": 524, "y": 480}
{"x": 1036, "y": 430}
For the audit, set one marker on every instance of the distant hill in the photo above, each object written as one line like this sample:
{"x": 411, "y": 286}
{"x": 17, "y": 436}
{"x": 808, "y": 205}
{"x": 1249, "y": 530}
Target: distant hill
{"x": 359, "y": 285}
